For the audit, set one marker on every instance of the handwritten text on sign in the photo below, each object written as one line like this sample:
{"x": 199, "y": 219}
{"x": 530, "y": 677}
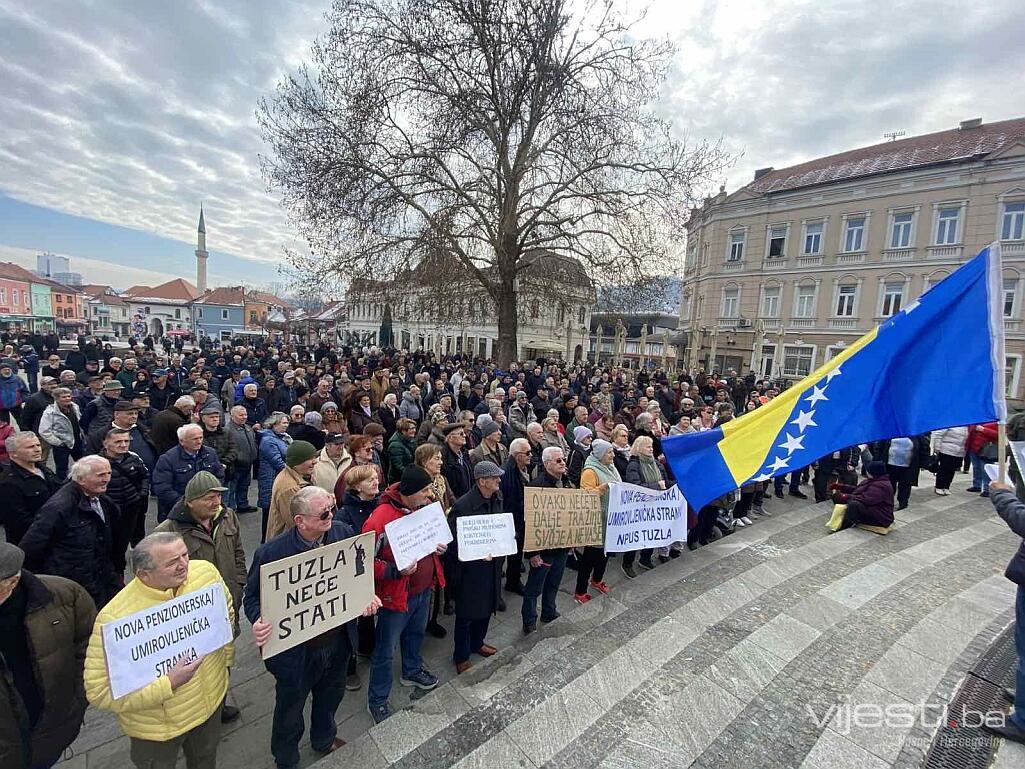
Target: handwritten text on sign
{"x": 310, "y": 593}
{"x": 639, "y": 518}
{"x": 145, "y": 645}
{"x": 413, "y": 536}
{"x": 479, "y": 536}
{"x": 558, "y": 518}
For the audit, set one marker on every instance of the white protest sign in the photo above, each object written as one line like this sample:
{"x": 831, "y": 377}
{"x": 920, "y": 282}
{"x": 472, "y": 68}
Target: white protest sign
{"x": 639, "y": 518}
{"x": 1018, "y": 452}
{"x": 413, "y": 536}
{"x": 479, "y": 536}
{"x": 307, "y": 594}
{"x": 145, "y": 645}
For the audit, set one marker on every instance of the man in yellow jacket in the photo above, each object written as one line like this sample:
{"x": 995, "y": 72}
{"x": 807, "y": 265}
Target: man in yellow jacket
{"x": 181, "y": 709}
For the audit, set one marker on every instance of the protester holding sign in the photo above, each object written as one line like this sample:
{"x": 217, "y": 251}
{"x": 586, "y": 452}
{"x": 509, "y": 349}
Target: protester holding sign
{"x": 181, "y": 708}
{"x": 212, "y": 533}
{"x": 405, "y": 595}
{"x": 599, "y": 471}
{"x": 643, "y": 470}
{"x": 476, "y": 585}
{"x": 45, "y": 623}
{"x": 546, "y": 566}
{"x": 318, "y": 665}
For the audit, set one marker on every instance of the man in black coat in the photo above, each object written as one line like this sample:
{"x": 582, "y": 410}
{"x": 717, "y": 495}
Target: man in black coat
{"x": 455, "y": 460}
{"x": 547, "y": 566}
{"x": 516, "y": 475}
{"x": 33, "y": 409}
{"x": 128, "y": 489}
{"x": 71, "y": 534}
{"x": 476, "y": 585}
{"x": 25, "y": 485}
{"x": 164, "y": 434}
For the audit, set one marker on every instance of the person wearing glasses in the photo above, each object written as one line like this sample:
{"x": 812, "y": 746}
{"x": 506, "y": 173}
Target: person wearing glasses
{"x": 318, "y": 666}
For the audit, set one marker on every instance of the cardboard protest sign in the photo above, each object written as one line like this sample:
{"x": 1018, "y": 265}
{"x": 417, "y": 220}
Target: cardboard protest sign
{"x": 639, "y": 518}
{"x": 310, "y": 593}
{"x": 145, "y": 645}
{"x": 557, "y": 518}
{"x": 413, "y": 536}
{"x": 479, "y": 536}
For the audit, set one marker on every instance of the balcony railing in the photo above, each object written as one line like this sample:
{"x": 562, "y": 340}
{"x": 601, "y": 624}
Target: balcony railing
{"x": 733, "y": 266}
{"x": 1012, "y": 324}
{"x": 1012, "y": 248}
{"x": 898, "y": 255}
{"x": 945, "y": 252}
{"x": 843, "y": 324}
{"x": 802, "y": 322}
{"x": 774, "y": 262}
{"x": 770, "y": 324}
{"x": 809, "y": 260}
{"x": 854, "y": 257}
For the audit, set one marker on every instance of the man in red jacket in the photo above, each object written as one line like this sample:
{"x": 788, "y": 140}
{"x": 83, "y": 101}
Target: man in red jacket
{"x": 406, "y": 595}
{"x": 982, "y": 449}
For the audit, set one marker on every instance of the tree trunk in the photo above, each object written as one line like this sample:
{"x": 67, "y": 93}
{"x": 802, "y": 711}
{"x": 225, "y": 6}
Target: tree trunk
{"x": 508, "y": 349}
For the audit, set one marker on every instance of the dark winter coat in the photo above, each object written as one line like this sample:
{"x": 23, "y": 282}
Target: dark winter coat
{"x": 129, "y": 481}
{"x": 400, "y": 454}
{"x": 224, "y": 445}
{"x": 1012, "y": 511}
{"x": 68, "y": 539}
{"x": 59, "y": 618}
{"x": 164, "y": 434}
{"x": 23, "y": 493}
{"x": 355, "y": 511}
{"x": 175, "y": 469}
{"x": 458, "y": 474}
{"x": 512, "y": 494}
{"x": 635, "y": 475}
{"x": 476, "y": 585}
{"x": 33, "y": 410}
{"x": 874, "y": 500}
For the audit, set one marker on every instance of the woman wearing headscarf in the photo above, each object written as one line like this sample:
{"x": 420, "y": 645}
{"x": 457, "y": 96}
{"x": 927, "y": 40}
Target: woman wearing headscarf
{"x": 599, "y": 471}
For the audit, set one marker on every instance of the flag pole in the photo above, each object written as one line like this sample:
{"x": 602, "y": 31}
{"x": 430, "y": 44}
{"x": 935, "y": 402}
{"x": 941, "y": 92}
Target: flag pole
{"x": 1002, "y": 452}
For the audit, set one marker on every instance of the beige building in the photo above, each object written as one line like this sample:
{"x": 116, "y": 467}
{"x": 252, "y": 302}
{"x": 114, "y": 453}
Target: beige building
{"x": 787, "y": 271}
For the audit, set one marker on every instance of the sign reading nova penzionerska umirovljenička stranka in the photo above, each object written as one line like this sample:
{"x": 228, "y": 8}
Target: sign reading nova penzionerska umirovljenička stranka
{"x": 146, "y": 644}
{"x": 640, "y": 518}
{"x": 310, "y": 593}
{"x": 559, "y": 518}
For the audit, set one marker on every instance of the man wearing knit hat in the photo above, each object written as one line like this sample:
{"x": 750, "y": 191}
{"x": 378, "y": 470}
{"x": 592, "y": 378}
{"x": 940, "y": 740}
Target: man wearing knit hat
{"x": 406, "y": 595}
{"x": 45, "y": 622}
{"x": 490, "y": 447}
{"x": 300, "y": 459}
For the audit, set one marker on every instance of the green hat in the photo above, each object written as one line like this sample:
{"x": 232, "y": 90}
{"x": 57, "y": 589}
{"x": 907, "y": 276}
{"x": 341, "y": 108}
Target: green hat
{"x": 299, "y": 452}
{"x": 202, "y": 483}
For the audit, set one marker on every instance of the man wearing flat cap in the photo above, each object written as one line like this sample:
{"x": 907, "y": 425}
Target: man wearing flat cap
{"x": 476, "y": 585}
{"x": 101, "y": 409}
{"x": 45, "y": 623}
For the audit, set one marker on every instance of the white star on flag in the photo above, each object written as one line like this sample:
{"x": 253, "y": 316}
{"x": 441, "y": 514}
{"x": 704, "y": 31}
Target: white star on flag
{"x": 833, "y": 373}
{"x": 778, "y": 464}
{"x": 804, "y": 419}
{"x": 792, "y": 443}
{"x": 818, "y": 394}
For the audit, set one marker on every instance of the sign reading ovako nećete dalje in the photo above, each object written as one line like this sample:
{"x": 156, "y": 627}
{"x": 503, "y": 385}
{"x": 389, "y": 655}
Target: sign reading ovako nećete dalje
{"x": 558, "y": 518}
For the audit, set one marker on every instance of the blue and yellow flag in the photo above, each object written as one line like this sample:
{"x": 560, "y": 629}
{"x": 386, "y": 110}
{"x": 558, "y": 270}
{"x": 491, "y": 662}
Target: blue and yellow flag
{"x": 937, "y": 363}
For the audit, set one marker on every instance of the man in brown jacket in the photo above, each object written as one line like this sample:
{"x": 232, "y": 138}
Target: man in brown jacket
{"x": 300, "y": 459}
{"x": 211, "y": 533}
{"x": 45, "y": 624}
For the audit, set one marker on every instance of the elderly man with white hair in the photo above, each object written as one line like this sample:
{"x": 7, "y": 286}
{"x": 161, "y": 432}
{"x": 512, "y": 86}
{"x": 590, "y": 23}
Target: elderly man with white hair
{"x": 71, "y": 535}
{"x": 178, "y": 465}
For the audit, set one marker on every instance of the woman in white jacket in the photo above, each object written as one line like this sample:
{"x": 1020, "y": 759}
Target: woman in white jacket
{"x": 59, "y": 427}
{"x": 948, "y": 446}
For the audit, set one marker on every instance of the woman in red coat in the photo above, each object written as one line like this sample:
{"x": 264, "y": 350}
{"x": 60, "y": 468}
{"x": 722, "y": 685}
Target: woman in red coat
{"x": 982, "y": 449}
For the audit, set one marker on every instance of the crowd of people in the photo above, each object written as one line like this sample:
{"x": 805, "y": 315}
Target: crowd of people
{"x": 338, "y": 442}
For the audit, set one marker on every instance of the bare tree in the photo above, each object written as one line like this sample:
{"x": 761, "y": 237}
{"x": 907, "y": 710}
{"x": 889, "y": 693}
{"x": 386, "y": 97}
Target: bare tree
{"x": 489, "y": 130}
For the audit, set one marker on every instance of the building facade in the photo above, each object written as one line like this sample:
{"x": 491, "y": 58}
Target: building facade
{"x": 786, "y": 272}
{"x": 15, "y": 298}
{"x": 106, "y": 312}
{"x": 554, "y": 295}
{"x": 161, "y": 310}
{"x": 219, "y": 313}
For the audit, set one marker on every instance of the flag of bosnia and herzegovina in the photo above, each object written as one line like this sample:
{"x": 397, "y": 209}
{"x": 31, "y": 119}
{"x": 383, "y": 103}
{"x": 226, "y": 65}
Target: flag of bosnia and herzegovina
{"x": 937, "y": 363}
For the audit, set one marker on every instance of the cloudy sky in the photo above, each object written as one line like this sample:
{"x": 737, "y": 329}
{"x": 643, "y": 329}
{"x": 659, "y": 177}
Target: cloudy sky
{"x": 120, "y": 118}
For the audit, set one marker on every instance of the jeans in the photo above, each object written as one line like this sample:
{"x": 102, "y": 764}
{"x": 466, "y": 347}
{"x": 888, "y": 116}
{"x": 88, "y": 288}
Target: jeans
{"x": 1018, "y": 717}
{"x": 61, "y": 457}
{"x": 544, "y": 582}
{"x": 324, "y": 676}
{"x": 469, "y": 636}
{"x": 406, "y": 627}
{"x": 238, "y": 487}
{"x": 979, "y": 477}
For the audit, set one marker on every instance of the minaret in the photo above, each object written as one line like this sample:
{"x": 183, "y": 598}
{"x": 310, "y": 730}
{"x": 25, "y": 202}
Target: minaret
{"x": 201, "y": 254}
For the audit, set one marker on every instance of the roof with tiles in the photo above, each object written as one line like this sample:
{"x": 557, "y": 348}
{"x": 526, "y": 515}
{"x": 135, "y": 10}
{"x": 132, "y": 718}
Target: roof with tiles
{"x": 225, "y": 295}
{"x": 177, "y": 290}
{"x": 954, "y": 145}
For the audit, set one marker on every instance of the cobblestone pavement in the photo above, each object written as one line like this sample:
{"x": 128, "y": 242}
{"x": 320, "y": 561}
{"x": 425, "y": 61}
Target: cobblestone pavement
{"x": 734, "y": 655}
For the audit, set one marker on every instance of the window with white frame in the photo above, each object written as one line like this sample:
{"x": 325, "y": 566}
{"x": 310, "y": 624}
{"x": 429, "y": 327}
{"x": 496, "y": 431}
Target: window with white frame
{"x": 731, "y": 302}
{"x": 854, "y": 234}
{"x": 900, "y": 230}
{"x": 946, "y": 225}
{"x": 770, "y": 301}
{"x": 833, "y": 350}
{"x": 813, "y": 238}
{"x": 845, "y": 299}
{"x": 224, "y": 314}
{"x": 1012, "y": 223}
{"x": 893, "y": 299}
{"x": 736, "y": 247}
{"x": 804, "y": 302}
{"x": 777, "y": 242}
{"x": 1010, "y": 296}
{"x": 15, "y": 297}
{"x": 1012, "y": 374}
{"x": 797, "y": 360}
{"x": 3, "y": 295}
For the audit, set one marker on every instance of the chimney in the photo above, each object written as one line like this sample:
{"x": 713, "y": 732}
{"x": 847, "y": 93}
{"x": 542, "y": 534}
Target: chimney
{"x": 975, "y": 122}
{"x": 760, "y": 172}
